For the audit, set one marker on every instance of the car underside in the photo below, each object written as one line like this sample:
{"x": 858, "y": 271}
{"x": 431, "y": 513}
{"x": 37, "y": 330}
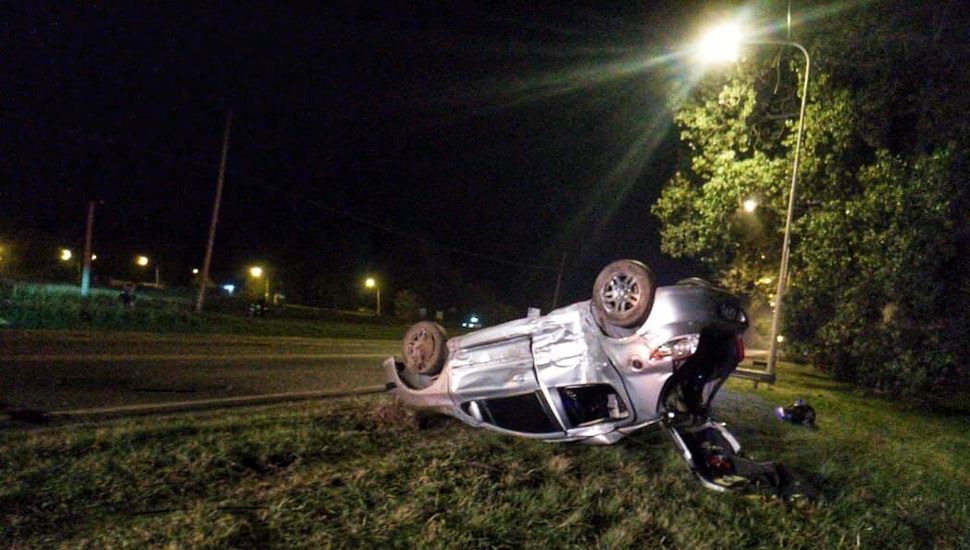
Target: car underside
{"x": 633, "y": 356}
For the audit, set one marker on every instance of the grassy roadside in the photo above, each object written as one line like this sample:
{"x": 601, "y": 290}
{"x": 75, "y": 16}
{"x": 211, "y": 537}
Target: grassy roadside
{"x": 355, "y": 473}
{"x": 58, "y": 307}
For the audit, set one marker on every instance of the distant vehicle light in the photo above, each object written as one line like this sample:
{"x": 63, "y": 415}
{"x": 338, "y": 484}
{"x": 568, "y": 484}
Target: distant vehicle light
{"x": 473, "y": 319}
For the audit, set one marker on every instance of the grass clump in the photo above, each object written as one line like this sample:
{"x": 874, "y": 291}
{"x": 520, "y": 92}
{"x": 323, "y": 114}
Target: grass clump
{"x": 39, "y": 306}
{"x": 364, "y": 473}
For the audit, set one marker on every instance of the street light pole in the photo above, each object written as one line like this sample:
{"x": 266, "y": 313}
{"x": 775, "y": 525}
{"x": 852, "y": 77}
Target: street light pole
{"x": 86, "y": 259}
{"x": 371, "y": 282}
{"x": 721, "y": 44}
{"x": 785, "y": 249}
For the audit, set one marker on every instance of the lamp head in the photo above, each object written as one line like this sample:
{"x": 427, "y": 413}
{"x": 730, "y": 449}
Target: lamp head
{"x": 720, "y": 43}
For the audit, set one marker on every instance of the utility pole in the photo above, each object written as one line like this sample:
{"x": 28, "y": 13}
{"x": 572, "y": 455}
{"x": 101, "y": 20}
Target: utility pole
{"x": 555, "y": 297}
{"x": 86, "y": 259}
{"x": 204, "y": 276}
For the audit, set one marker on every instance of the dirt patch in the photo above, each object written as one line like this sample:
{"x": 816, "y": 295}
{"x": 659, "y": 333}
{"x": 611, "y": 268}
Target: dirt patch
{"x": 392, "y": 417}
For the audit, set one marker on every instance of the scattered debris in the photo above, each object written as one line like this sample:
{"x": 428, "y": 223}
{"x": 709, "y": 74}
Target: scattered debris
{"x": 799, "y": 413}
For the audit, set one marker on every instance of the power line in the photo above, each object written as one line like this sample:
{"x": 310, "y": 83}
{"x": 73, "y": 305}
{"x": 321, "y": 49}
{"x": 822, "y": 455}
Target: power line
{"x": 252, "y": 181}
{"x": 401, "y": 232}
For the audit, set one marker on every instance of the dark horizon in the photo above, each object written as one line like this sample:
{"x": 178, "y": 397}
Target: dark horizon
{"x": 365, "y": 141}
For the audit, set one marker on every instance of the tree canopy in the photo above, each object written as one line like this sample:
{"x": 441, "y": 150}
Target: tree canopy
{"x": 878, "y": 288}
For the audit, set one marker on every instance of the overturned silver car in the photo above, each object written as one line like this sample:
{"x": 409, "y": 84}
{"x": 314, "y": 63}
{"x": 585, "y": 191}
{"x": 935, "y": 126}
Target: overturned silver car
{"x": 634, "y": 356}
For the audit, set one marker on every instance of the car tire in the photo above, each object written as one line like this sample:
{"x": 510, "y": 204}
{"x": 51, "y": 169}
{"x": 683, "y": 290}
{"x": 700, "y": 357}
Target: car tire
{"x": 695, "y": 281}
{"x": 623, "y": 297}
{"x": 424, "y": 348}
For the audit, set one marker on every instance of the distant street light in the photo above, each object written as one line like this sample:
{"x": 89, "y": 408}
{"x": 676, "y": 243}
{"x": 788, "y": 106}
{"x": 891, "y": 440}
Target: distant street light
{"x": 143, "y": 261}
{"x": 721, "y": 43}
{"x": 66, "y": 256}
{"x": 257, "y": 272}
{"x": 750, "y": 205}
{"x": 371, "y": 282}
{"x": 195, "y": 271}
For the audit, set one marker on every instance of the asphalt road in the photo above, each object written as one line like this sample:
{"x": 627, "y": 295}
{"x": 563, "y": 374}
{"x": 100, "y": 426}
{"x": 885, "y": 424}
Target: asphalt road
{"x": 56, "y": 371}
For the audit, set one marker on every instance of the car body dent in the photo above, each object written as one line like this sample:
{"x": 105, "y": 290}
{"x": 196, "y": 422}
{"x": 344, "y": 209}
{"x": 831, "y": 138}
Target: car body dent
{"x": 564, "y": 349}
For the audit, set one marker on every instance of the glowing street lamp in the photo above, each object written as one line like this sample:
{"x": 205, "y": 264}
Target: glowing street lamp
{"x": 722, "y": 43}
{"x": 371, "y": 282}
{"x": 750, "y": 205}
{"x": 66, "y": 256}
{"x": 257, "y": 272}
{"x": 143, "y": 261}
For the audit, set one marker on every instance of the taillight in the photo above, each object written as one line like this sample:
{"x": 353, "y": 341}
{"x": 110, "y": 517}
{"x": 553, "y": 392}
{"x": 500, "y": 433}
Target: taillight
{"x": 676, "y": 349}
{"x": 739, "y": 345}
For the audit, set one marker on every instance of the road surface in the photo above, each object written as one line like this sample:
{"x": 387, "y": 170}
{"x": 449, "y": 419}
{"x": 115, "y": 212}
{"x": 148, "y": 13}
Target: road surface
{"x": 57, "y": 370}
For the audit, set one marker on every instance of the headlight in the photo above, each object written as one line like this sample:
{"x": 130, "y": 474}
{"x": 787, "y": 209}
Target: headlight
{"x": 677, "y": 349}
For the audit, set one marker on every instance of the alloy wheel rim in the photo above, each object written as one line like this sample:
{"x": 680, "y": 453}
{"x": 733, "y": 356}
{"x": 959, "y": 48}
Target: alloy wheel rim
{"x": 621, "y": 294}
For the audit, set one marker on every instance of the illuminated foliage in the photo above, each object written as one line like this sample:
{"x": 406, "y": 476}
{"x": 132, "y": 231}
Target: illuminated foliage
{"x": 876, "y": 285}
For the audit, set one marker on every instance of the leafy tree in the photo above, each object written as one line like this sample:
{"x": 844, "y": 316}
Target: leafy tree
{"x": 877, "y": 292}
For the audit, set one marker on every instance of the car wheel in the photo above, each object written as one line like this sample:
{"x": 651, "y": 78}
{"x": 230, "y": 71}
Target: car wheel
{"x": 424, "y": 348}
{"x": 623, "y": 296}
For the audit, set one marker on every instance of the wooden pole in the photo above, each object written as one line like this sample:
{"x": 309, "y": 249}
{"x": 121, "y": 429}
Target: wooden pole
{"x": 555, "y": 297}
{"x": 204, "y": 276}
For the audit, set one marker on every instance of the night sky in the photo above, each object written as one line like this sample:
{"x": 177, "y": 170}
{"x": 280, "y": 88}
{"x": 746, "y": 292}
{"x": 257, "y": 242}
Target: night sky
{"x": 366, "y": 138}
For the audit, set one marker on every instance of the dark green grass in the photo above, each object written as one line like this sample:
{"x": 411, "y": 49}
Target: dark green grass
{"x": 36, "y": 306}
{"x": 356, "y": 473}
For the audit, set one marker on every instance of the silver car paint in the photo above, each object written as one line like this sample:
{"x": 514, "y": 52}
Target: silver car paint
{"x": 567, "y": 348}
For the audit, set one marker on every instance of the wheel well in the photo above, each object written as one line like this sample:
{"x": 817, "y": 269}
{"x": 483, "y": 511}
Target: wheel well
{"x": 715, "y": 359}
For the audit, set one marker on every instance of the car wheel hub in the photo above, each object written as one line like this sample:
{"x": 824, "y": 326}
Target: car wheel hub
{"x": 420, "y": 348}
{"x": 621, "y": 294}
